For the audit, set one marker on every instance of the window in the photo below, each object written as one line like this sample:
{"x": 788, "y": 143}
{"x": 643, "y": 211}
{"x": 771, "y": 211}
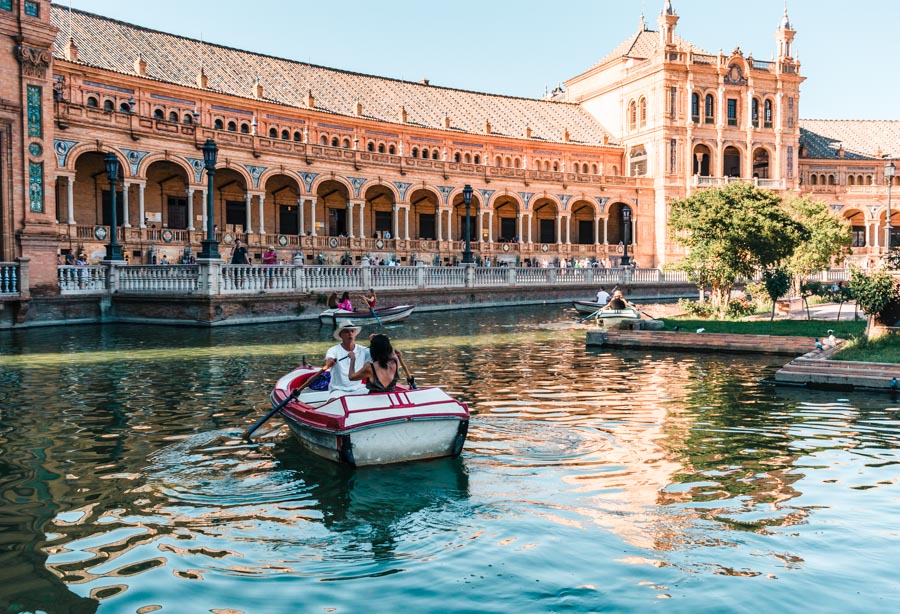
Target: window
{"x": 851, "y": 180}
{"x": 632, "y": 115}
{"x": 456, "y": 157}
{"x": 507, "y": 162}
{"x": 273, "y": 133}
{"x": 767, "y": 114}
{"x": 555, "y": 167}
{"x": 673, "y": 156}
{"x": 245, "y": 128}
{"x": 188, "y": 118}
{"x": 594, "y": 169}
{"x": 732, "y": 112}
{"x": 92, "y": 102}
{"x": 108, "y": 105}
{"x": 434, "y": 154}
{"x": 710, "y": 109}
{"x": 673, "y": 101}
{"x": 297, "y": 136}
{"x": 334, "y": 141}
{"x": 285, "y": 135}
{"x": 380, "y": 147}
{"x": 392, "y": 150}
{"x": 754, "y": 113}
{"x": 345, "y": 143}
{"x": 467, "y": 158}
{"x": 517, "y": 163}
{"x": 219, "y": 125}
{"x": 415, "y": 152}
{"x": 370, "y": 146}
{"x": 173, "y": 116}
{"x": 232, "y": 126}
{"x": 498, "y": 161}
{"x": 813, "y": 180}
{"x": 643, "y": 105}
{"x": 790, "y": 118}
{"x": 125, "y": 108}
{"x": 859, "y": 236}
{"x": 638, "y": 162}
{"x": 158, "y": 114}
{"x": 324, "y": 139}
{"x": 695, "y": 107}
{"x": 477, "y": 159}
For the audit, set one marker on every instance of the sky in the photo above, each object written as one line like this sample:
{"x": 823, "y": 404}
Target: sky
{"x": 521, "y": 47}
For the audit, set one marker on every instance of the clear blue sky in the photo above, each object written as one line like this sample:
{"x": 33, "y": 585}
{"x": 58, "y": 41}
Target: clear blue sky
{"x": 519, "y": 47}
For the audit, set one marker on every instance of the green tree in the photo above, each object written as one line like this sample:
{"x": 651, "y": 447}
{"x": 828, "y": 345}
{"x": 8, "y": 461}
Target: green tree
{"x": 776, "y": 283}
{"x": 828, "y": 238}
{"x": 877, "y": 293}
{"x": 732, "y": 232}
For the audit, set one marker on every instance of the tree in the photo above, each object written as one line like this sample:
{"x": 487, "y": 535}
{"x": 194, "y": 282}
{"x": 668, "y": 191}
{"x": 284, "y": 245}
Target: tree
{"x": 776, "y": 282}
{"x": 732, "y": 232}
{"x": 877, "y": 294}
{"x": 829, "y": 238}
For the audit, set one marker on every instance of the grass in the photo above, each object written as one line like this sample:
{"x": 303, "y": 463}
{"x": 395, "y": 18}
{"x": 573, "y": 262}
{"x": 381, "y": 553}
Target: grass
{"x": 845, "y": 329}
{"x": 884, "y": 349}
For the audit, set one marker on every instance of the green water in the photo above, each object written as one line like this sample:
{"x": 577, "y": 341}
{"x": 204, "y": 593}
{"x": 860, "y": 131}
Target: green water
{"x": 591, "y": 480}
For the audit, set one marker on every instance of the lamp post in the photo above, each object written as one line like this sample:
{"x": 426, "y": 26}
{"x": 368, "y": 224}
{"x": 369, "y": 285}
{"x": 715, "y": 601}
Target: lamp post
{"x": 626, "y": 233}
{"x": 113, "y": 250}
{"x": 889, "y": 172}
{"x": 210, "y": 247}
{"x": 467, "y": 198}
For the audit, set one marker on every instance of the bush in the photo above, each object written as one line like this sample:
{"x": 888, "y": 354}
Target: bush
{"x": 739, "y": 308}
{"x": 873, "y": 292}
{"x": 695, "y": 308}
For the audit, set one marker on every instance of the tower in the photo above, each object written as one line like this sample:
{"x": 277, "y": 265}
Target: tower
{"x": 667, "y": 21}
{"x": 785, "y": 36}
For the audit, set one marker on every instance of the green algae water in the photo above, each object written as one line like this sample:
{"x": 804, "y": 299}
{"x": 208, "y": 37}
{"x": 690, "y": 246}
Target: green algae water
{"x": 592, "y": 480}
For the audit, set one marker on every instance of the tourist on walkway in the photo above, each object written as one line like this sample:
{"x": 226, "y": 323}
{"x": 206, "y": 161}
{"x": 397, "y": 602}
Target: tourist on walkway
{"x": 337, "y": 358}
{"x": 239, "y": 253}
{"x": 269, "y": 256}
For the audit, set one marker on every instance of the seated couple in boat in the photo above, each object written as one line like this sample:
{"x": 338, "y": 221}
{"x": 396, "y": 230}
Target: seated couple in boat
{"x": 345, "y": 358}
{"x": 346, "y": 304}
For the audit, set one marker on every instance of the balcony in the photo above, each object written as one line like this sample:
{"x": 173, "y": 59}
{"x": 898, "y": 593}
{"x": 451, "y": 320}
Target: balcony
{"x": 698, "y": 181}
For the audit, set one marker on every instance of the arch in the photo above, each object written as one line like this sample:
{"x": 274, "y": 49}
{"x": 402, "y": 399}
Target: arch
{"x": 245, "y": 128}
{"x": 643, "y": 111}
{"x": 813, "y": 179}
{"x": 161, "y": 157}
{"x": 109, "y": 105}
{"x": 732, "y": 156}
{"x": 232, "y": 126}
{"x": 858, "y": 229}
{"x": 285, "y": 135}
{"x": 218, "y": 124}
{"x": 124, "y": 108}
{"x": 754, "y": 112}
{"x": 345, "y": 143}
{"x": 173, "y": 116}
{"x": 86, "y": 148}
{"x": 767, "y": 113}
{"x": 702, "y": 160}
{"x": 762, "y": 163}
{"x": 188, "y": 118}
{"x": 695, "y": 107}
{"x": 457, "y": 157}
{"x": 851, "y": 180}
{"x": 392, "y": 150}
{"x": 273, "y": 133}
{"x": 584, "y": 218}
{"x": 158, "y": 113}
{"x": 490, "y": 203}
{"x": 318, "y": 181}
{"x": 632, "y": 115}
{"x": 415, "y": 152}
{"x": 615, "y": 226}
{"x": 378, "y": 182}
{"x": 92, "y": 102}
{"x": 477, "y": 160}
{"x": 334, "y": 141}
{"x": 709, "y": 109}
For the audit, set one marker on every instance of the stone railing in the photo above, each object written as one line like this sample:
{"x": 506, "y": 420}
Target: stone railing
{"x": 11, "y": 279}
{"x": 82, "y": 279}
{"x": 769, "y": 184}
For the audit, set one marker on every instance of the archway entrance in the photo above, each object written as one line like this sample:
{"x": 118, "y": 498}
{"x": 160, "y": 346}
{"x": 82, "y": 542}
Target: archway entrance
{"x": 732, "y": 162}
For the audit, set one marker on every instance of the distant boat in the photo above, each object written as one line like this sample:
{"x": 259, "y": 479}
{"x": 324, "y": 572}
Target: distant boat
{"x": 364, "y": 316}
{"x": 376, "y": 428}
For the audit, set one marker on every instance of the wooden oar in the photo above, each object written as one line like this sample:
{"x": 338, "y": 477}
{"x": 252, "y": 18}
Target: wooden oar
{"x": 377, "y": 319}
{"x": 409, "y": 378}
{"x": 593, "y": 315}
{"x": 290, "y": 397}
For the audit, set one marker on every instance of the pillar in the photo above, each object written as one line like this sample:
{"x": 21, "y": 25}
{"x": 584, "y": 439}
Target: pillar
{"x": 70, "y": 197}
{"x": 248, "y": 199}
{"x": 491, "y": 226}
{"x": 440, "y": 224}
{"x": 395, "y": 218}
{"x": 190, "y": 209}
{"x": 406, "y": 221}
{"x": 262, "y": 222}
{"x": 301, "y": 204}
{"x": 350, "y": 204}
{"x": 141, "y": 215}
{"x": 312, "y": 216}
{"x": 204, "y": 219}
{"x": 126, "y": 223}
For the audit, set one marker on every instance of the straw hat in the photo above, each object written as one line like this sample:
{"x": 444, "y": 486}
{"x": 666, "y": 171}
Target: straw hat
{"x": 346, "y": 325}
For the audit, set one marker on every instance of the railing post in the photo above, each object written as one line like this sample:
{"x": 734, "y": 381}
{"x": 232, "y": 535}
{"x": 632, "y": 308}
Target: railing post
{"x": 112, "y": 274}
{"x": 365, "y": 273}
{"x": 659, "y": 276}
{"x": 551, "y": 275}
{"x": 589, "y": 276}
{"x": 24, "y": 284}
{"x": 470, "y": 274}
{"x": 627, "y": 274}
{"x": 511, "y": 276}
{"x": 299, "y": 276}
{"x": 420, "y": 274}
{"x": 210, "y": 273}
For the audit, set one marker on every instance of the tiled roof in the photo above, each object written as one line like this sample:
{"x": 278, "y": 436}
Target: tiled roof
{"x": 113, "y": 45}
{"x": 644, "y": 44}
{"x": 860, "y": 139}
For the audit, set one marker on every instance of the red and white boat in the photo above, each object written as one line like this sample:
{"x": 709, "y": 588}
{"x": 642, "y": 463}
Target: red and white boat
{"x": 373, "y": 429}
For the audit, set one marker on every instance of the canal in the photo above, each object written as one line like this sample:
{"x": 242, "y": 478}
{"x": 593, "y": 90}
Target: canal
{"x": 592, "y": 479}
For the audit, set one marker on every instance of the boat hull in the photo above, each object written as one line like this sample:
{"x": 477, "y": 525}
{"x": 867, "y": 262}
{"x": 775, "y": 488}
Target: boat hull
{"x": 386, "y": 315}
{"x": 373, "y": 429}
{"x": 598, "y": 311}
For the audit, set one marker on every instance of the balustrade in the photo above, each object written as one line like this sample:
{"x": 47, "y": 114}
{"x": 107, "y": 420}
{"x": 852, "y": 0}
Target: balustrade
{"x": 9, "y": 278}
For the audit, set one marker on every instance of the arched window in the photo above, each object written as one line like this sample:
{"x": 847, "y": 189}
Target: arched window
{"x": 334, "y": 141}
{"x": 585, "y": 169}
{"x": 434, "y": 154}
{"x": 415, "y": 152}
{"x": 392, "y": 150}
{"x": 109, "y": 105}
{"x": 285, "y": 135}
{"x": 456, "y": 157}
{"x": 643, "y": 105}
{"x": 813, "y": 180}
{"x": 767, "y": 114}
{"x": 92, "y": 102}
{"x": 498, "y": 161}
{"x": 555, "y": 167}
{"x": 219, "y": 124}
{"x": 298, "y": 136}
{"x": 710, "y": 109}
{"x": 323, "y": 140}
{"x": 273, "y": 133}
{"x": 638, "y": 162}
{"x": 547, "y": 165}
{"x": 467, "y": 158}
{"x": 632, "y": 115}
{"x": 188, "y": 118}
{"x": 370, "y": 146}
{"x": 125, "y": 108}
{"x": 695, "y": 107}
{"x": 232, "y": 126}
{"x": 507, "y": 162}
{"x": 830, "y": 179}
{"x": 517, "y": 163}
{"x": 173, "y": 116}
{"x": 345, "y": 143}
{"x": 245, "y": 128}
{"x": 477, "y": 159}
{"x": 851, "y": 180}
{"x": 158, "y": 114}
{"x": 594, "y": 169}
{"x": 380, "y": 147}
{"x": 754, "y": 112}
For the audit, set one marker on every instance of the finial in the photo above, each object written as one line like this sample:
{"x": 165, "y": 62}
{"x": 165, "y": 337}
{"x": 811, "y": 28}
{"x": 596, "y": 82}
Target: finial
{"x": 642, "y": 25}
{"x": 668, "y": 10}
{"x": 785, "y": 22}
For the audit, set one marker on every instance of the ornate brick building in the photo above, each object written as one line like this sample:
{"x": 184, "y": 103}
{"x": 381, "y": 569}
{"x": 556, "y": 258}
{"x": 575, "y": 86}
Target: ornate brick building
{"x": 330, "y": 164}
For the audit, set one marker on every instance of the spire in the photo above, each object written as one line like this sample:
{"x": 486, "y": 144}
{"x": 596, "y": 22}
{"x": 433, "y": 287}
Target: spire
{"x": 785, "y": 21}
{"x": 668, "y": 10}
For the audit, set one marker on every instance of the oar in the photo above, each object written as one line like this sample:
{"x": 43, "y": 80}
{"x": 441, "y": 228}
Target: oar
{"x": 377, "y": 319}
{"x": 290, "y": 397}
{"x": 593, "y": 315}
{"x": 409, "y": 378}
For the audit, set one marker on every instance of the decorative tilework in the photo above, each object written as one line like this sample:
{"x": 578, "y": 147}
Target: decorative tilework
{"x": 35, "y": 149}
{"x": 402, "y": 187}
{"x": 134, "y": 158}
{"x": 357, "y": 184}
{"x": 198, "y": 165}
{"x": 35, "y": 116}
{"x": 62, "y": 149}
{"x": 564, "y": 199}
{"x": 486, "y": 195}
{"x": 32, "y": 9}
{"x": 308, "y": 179}
{"x": 106, "y": 86}
{"x": 601, "y": 200}
{"x": 255, "y": 173}
{"x": 526, "y": 198}
{"x": 6, "y": 5}
{"x": 445, "y": 190}
{"x": 36, "y": 186}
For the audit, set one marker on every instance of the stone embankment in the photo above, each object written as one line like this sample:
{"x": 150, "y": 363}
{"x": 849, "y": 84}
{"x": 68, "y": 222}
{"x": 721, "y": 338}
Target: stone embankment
{"x": 703, "y": 342}
{"x": 816, "y": 370}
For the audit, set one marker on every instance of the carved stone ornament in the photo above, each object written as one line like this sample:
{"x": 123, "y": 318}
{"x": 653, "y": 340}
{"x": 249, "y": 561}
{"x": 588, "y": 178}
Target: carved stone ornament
{"x": 735, "y": 76}
{"x": 35, "y": 62}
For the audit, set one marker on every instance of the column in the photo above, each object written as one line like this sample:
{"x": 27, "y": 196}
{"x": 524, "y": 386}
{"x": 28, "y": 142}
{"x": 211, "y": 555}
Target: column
{"x": 596, "y": 230}
{"x": 440, "y": 220}
{"x": 491, "y": 225}
{"x": 558, "y": 228}
{"x": 125, "y": 221}
{"x": 396, "y": 221}
{"x": 362, "y": 225}
{"x": 406, "y": 221}
{"x": 312, "y": 216}
{"x": 350, "y": 204}
{"x": 519, "y": 217}
{"x": 141, "y": 215}
{"x": 479, "y": 225}
{"x": 190, "y": 209}
{"x": 300, "y": 206}
{"x": 568, "y": 230}
{"x": 204, "y": 219}
{"x": 530, "y": 224}
{"x": 606, "y": 230}
{"x": 247, "y": 201}
{"x": 262, "y": 223}
{"x": 70, "y": 197}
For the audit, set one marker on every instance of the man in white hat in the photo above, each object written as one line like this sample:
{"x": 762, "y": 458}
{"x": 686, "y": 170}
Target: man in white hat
{"x": 336, "y": 359}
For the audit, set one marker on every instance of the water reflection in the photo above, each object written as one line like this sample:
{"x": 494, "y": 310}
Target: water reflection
{"x": 592, "y": 480}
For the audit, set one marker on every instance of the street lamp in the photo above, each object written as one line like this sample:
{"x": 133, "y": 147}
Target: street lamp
{"x": 113, "y": 250}
{"x": 467, "y": 198}
{"x": 626, "y": 223}
{"x": 889, "y": 172}
{"x": 210, "y": 247}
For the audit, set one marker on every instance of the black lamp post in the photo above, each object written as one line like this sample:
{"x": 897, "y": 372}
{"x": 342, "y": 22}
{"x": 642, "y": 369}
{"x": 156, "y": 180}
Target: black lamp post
{"x": 467, "y": 198}
{"x": 210, "y": 247}
{"x": 626, "y": 231}
{"x": 889, "y": 172}
{"x": 113, "y": 250}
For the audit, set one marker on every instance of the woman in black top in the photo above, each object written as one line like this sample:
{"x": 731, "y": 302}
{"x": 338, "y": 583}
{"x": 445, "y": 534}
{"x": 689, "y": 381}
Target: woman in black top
{"x": 383, "y": 371}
